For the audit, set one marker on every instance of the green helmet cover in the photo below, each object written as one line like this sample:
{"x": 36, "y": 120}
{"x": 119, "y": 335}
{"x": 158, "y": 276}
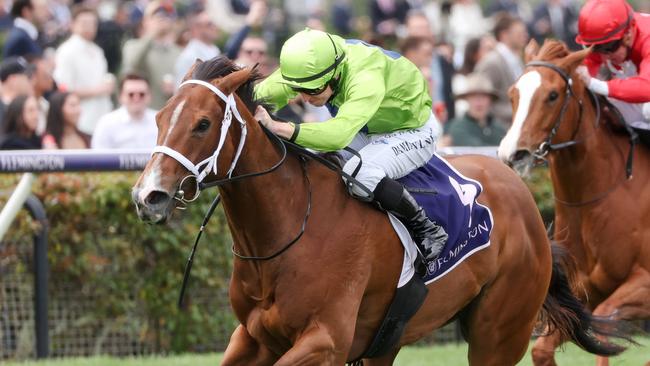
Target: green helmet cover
{"x": 309, "y": 59}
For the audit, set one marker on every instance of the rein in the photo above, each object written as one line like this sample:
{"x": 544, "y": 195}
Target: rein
{"x": 546, "y": 146}
{"x": 209, "y": 165}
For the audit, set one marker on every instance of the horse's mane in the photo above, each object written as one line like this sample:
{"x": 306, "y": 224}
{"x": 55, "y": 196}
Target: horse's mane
{"x": 221, "y": 66}
{"x": 552, "y": 50}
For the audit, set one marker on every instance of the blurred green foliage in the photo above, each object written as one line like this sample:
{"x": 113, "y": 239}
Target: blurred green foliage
{"x": 98, "y": 246}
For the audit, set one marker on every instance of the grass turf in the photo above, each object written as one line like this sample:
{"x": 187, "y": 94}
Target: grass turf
{"x": 447, "y": 355}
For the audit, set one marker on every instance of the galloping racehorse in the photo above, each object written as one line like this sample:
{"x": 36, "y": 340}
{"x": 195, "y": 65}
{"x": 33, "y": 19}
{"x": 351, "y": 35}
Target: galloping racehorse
{"x": 600, "y": 216}
{"x": 318, "y": 296}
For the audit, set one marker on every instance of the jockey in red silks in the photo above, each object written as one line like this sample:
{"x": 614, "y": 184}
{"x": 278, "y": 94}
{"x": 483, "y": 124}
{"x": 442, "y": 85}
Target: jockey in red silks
{"x": 620, "y": 39}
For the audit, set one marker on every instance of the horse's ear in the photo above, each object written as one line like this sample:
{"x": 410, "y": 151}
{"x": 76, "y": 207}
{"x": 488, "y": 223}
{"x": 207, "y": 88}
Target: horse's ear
{"x": 574, "y": 59}
{"x": 531, "y": 50}
{"x": 232, "y": 82}
{"x": 190, "y": 72}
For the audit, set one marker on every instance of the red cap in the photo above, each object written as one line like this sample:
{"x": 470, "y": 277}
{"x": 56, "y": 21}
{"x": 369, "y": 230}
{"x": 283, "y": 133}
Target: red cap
{"x": 603, "y": 21}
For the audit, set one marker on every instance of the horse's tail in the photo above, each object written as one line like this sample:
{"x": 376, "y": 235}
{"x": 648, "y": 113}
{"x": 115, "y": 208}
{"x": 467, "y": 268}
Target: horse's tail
{"x": 563, "y": 312}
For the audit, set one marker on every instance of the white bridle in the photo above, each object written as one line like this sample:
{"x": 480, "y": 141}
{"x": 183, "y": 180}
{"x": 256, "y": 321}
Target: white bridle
{"x": 209, "y": 165}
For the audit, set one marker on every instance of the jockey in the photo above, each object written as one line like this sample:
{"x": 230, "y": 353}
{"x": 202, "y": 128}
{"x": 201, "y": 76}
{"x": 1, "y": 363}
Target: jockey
{"x": 620, "y": 39}
{"x": 380, "y": 106}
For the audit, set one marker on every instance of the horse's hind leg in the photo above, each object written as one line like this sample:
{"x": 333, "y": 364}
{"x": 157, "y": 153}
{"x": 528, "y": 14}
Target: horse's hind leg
{"x": 629, "y": 301}
{"x": 499, "y": 323}
{"x": 543, "y": 351}
{"x": 498, "y": 334}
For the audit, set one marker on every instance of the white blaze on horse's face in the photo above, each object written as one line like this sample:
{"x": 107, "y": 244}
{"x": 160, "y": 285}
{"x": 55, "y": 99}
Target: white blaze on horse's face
{"x": 152, "y": 180}
{"x": 527, "y": 85}
{"x": 175, "y": 116}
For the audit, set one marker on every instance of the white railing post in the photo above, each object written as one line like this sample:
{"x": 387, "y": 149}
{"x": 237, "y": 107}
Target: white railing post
{"x": 15, "y": 202}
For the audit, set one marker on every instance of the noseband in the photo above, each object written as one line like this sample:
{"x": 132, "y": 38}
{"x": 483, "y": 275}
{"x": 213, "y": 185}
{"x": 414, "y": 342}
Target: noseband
{"x": 546, "y": 146}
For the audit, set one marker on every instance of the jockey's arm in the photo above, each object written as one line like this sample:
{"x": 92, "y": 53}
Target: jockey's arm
{"x": 364, "y": 96}
{"x": 631, "y": 90}
{"x": 274, "y": 92}
{"x": 634, "y": 89}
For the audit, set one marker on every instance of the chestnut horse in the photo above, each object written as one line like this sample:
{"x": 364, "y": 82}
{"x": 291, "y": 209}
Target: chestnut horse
{"x": 321, "y": 300}
{"x": 600, "y": 216}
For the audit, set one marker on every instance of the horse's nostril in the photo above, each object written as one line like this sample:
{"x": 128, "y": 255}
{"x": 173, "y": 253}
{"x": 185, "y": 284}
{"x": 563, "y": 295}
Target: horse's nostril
{"x": 520, "y": 155}
{"x": 155, "y": 198}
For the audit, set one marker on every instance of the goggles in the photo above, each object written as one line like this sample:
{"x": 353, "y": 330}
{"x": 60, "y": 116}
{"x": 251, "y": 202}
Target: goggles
{"x": 310, "y": 91}
{"x": 609, "y": 47}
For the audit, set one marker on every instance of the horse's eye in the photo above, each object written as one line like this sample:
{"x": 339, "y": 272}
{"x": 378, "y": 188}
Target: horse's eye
{"x": 553, "y": 96}
{"x": 202, "y": 126}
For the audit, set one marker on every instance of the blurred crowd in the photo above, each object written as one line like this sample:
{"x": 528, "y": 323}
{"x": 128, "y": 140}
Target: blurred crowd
{"x": 92, "y": 74}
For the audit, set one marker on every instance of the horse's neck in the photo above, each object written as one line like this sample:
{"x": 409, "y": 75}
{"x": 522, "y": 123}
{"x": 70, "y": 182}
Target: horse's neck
{"x": 264, "y": 212}
{"x": 583, "y": 171}
{"x": 266, "y": 209}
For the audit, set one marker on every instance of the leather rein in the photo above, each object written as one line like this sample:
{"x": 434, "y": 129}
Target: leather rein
{"x": 546, "y": 146}
{"x": 209, "y": 165}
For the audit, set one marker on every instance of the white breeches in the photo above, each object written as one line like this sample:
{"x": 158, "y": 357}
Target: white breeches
{"x": 636, "y": 115}
{"x": 393, "y": 154}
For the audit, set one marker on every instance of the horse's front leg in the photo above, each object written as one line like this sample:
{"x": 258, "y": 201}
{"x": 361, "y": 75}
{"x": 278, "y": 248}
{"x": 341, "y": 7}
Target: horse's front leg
{"x": 317, "y": 346}
{"x": 244, "y": 350}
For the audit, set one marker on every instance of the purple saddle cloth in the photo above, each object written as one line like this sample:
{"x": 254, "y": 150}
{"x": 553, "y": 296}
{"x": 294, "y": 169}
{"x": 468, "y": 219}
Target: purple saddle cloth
{"x": 454, "y": 206}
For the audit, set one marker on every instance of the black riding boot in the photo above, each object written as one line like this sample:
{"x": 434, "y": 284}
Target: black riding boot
{"x": 429, "y": 236}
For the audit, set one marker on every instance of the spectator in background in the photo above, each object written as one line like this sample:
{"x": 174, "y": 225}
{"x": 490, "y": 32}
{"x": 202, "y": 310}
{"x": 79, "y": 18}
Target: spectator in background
{"x": 257, "y": 13}
{"x": 441, "y": 70}
{"x": 204, "y": 34}
{"x": 63, "y": 123}
{"x": 42, "y": 84}
{"x": 342, "y": 17}
{"x": 466, "y": 21}
{"x": 15, "y": 81}
{"x": 22, "y": 38}
{"x": 81, "y": 68}
{"x": 516, "y": 8}
{"x": 419, "y": 50}
{"x": 111, "y": 33}
{"x": 133, "y": 125}
{"x": 20, "y": 122}
{"x": 555, "y": 19}
{"x": 477, "y": 127}
{"x": 504, "y": 64}
{"x": 253, "y": 51}
{"x": 228, "y": 14}
{"x": 475, "y": 50}
{"x": 387, "y": 16}
{"x": 154, "y": 54}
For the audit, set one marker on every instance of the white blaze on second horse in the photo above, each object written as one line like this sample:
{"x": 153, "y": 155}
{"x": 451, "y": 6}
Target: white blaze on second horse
{"x": 527, "y": 85}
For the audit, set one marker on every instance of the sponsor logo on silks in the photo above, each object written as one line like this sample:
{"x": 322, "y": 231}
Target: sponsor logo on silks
{"x": 455, "y": 252}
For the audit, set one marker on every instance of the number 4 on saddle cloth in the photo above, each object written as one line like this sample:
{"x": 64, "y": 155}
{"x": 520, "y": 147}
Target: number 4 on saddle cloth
{"x": 448, "y": 198}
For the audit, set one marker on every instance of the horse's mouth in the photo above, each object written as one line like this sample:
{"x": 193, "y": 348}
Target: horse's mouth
{"x": 522, "y": 162}
{"x": 155, "y": 208}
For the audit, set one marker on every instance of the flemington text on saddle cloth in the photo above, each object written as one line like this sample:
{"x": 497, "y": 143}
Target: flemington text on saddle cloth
{"x": 454, "y": 206}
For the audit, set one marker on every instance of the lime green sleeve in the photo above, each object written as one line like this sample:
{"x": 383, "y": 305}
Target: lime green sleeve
{"x": 273, "y": 91}
{"x": 365, "y": 94}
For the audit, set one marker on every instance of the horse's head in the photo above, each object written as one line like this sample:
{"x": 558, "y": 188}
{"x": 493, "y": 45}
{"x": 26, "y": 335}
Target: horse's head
{"x": 190, "y": 138}
{"x": 544, "y": 103}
